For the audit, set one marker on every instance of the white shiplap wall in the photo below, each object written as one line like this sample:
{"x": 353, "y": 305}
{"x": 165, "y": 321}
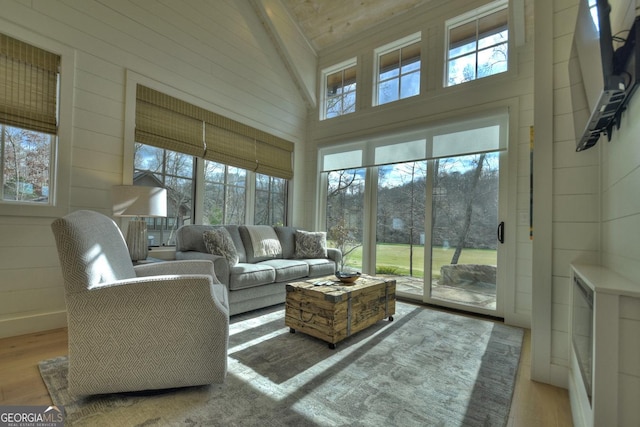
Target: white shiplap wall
{"x": 596, "y": 217}
{"x": 575, "y": 189}
{"x": 621, "y": 249}
{"x": 215, "y": 51}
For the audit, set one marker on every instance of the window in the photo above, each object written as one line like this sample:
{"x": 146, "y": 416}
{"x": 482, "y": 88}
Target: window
{"x": 157, "y": 167}
{"x": 191, "y": 151}
{"x": 225, "y": 194}
{"x": 477, "y": 44}
{"x": 28, "y": 122}
{"x": 271, "y": 200}
{"x": 206, "y": 162}
{"x": 340, "y": 90}
{"x": 386, "y": 234}
{"x": 397, "y": 70}
{"x": 593, "y": 11}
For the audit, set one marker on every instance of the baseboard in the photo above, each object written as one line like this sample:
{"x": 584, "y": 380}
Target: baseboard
{"x": 34, "y": 323}
{"x": 518, "y": 319}
{"x": 559, "y": 376}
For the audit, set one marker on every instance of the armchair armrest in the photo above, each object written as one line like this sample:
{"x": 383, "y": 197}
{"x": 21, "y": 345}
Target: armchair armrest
{"x": 177, "y": 267}
{"x": 164, "y": 318}
{"x": 220, "y": 263}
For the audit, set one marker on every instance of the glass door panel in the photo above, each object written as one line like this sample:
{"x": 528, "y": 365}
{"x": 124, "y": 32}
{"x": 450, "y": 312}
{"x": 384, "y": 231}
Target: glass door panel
{"x": 464, "y": 222}
{"x": 345, "y": 215}
{"x": 400, "y": 233}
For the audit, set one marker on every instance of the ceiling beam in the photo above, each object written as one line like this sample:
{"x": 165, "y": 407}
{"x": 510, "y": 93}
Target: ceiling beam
{"x": 297, "y": 54}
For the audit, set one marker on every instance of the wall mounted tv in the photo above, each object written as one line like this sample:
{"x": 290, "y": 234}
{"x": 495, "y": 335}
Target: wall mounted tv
{"x": 600, "y": 82}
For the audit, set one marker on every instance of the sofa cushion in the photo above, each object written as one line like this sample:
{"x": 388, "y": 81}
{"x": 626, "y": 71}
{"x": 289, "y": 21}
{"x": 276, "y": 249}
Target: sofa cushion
{"x": 245, "y": 275}
{"x": 260, "y": 242}
{"x": 288, "y": 269}
{"x": 287, "y": 237}
{"x": 311, "y": 244}
{"x": 218, "y": 242}
{"x": 237, "y": 241}
{"x": 189, "y": 238}
{"x": 321, "y": 267}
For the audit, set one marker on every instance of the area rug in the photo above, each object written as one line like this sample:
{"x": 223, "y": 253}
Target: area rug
{"x": 424, "y": 368}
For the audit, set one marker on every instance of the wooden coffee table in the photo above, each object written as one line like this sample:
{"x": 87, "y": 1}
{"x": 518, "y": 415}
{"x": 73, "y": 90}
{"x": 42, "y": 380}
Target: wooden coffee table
{"x": 330, "y": 310}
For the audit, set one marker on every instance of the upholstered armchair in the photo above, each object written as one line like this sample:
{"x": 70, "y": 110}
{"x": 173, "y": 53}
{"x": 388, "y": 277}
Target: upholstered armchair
{"x": 152, "y": 326}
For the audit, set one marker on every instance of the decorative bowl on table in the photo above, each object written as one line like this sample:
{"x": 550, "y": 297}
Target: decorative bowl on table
{"x": 347, "y": 277}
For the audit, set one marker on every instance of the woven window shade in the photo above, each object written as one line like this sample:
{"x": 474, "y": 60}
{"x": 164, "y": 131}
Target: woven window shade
{"x": 274, "y": 160}
{"x": 28, "y": 86}
{"x": 162, "y": 120}
{"x": 167, "y": 122}
{"x": 230, "y": 148}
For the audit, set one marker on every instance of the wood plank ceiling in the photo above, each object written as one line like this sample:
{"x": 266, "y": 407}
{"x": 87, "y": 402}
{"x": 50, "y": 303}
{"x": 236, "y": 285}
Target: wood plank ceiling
{"x": 327, "y": 22}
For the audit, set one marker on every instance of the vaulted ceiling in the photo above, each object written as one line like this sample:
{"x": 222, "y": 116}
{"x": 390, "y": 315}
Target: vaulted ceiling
{"x": 327, "y": 22}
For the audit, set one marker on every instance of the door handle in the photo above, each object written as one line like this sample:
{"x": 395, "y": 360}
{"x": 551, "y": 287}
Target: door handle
{"x": 501, "y": 232}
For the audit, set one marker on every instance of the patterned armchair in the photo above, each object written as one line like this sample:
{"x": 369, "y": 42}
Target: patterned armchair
{"x": 152, "y": 326}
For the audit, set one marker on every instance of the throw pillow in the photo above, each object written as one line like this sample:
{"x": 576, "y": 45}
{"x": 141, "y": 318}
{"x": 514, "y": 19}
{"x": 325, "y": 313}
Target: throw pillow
{"x": 218, "y": 242}
{"x": 264, "y": 241}
{"x": 311, "y": 244}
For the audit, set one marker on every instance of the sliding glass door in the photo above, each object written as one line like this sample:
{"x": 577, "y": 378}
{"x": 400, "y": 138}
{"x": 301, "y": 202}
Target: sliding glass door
{"x": 427, "y": 207}
{"x": 465, "y": 233}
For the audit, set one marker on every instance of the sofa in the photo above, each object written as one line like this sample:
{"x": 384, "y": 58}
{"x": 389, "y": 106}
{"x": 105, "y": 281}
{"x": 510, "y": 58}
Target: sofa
{"x": 256, "y": 262}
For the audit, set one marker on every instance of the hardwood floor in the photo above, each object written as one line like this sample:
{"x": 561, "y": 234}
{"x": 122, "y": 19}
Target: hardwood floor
{"x": 20, "y": 381}
{"x": 537, "y": 404}
{"x": 534, "y": 404}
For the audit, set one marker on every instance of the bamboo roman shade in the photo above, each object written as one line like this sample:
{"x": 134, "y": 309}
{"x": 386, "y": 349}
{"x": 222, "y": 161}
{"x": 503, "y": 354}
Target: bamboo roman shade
{"x": 28, "y": 86}
{"x": 167, "y": 122}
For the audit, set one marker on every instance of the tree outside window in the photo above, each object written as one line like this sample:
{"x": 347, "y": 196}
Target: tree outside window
{"x": 340, "y": 90}
{"x": 271, "y": 200}
{"x": 26, "y": 164}
{"x": 398, "y": 72}
{"x": 225, "y": 194}
{"x": 478, "y": 46}
{"x": 345, "y": 210}
{"x": 174, "y": 171}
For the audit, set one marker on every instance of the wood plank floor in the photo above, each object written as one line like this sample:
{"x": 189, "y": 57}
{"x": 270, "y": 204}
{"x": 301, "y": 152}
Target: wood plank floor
{"x": 534, "y": 404}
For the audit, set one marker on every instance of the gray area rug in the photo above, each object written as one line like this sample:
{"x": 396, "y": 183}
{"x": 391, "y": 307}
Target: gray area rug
{"x": 425, "y": 368}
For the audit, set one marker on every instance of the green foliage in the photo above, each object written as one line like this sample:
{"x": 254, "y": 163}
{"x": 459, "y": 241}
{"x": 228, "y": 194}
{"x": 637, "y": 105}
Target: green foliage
{"x": 386, "y": 269}
{"x": 343, "y": 238}
{"x": 397, "y": 256}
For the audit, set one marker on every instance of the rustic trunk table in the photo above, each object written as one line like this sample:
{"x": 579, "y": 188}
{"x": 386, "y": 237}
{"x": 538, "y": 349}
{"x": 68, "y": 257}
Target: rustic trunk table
{"x": 330, "y": 310}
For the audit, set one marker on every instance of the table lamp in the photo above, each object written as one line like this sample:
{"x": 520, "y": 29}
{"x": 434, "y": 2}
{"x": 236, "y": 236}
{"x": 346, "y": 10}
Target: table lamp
{"x": 139, "y": 202}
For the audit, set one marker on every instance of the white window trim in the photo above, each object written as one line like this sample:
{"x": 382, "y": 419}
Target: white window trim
{"x": 467, "y": 17}
{"x": 353, "y": 62}
{"x": 61, "y": 160}
{"x": 474, "y": 14}
{"x": 383, "y": 50}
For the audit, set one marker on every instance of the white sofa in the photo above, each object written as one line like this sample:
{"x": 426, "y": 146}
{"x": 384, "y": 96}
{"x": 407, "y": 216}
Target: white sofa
{"x": 255, "y": 281}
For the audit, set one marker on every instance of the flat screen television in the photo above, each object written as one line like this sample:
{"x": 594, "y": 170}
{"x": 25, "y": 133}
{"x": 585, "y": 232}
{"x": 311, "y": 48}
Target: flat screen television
{"x": 597, "y": 91}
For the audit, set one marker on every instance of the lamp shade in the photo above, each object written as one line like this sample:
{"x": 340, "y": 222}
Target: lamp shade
{"x": 139, "y": 201}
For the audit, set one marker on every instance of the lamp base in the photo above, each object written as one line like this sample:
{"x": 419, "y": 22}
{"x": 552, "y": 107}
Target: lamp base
{"x": 137, "y": 240}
